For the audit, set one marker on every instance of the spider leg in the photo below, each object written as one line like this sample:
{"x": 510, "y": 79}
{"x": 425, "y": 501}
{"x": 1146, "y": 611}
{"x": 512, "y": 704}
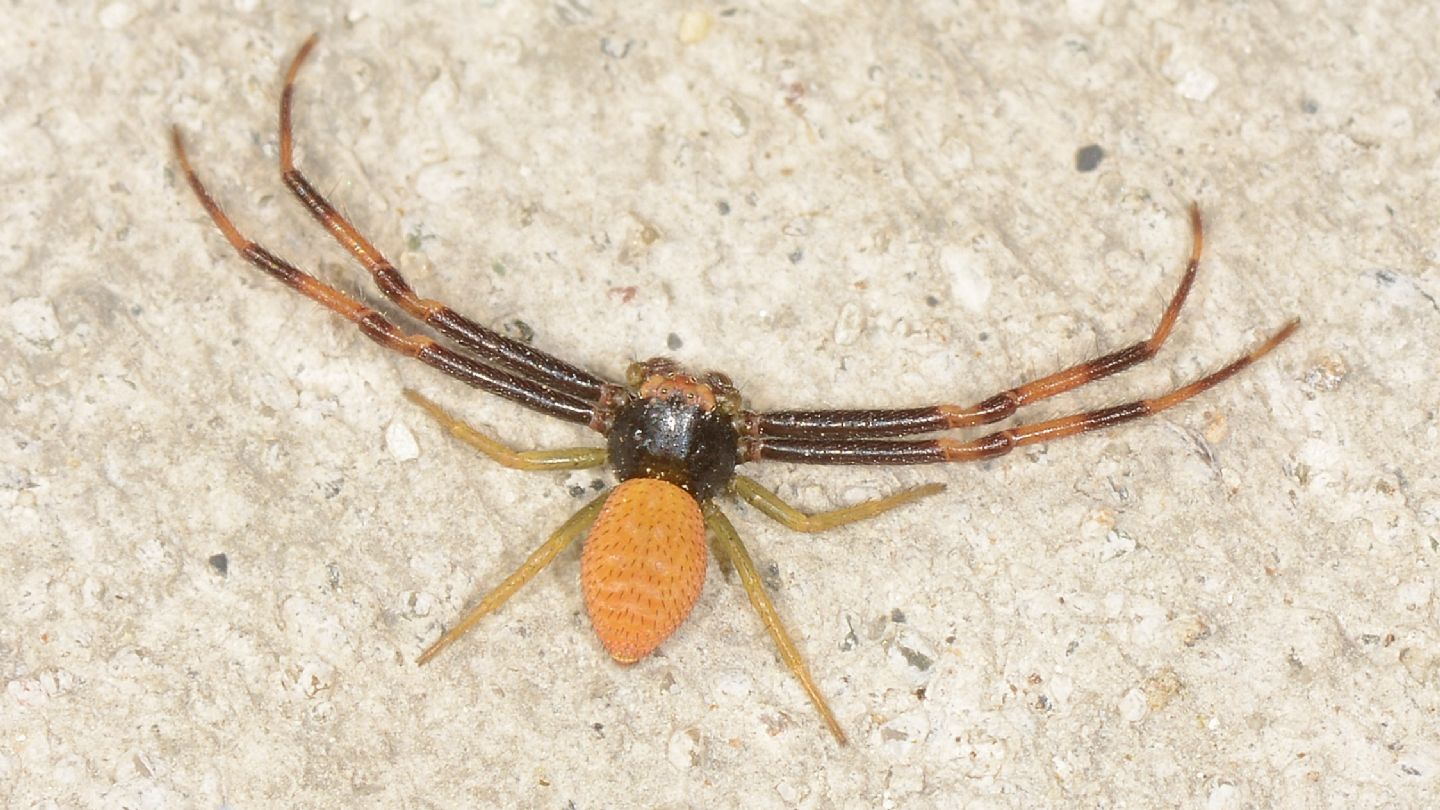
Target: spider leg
{"x": 541, "y": 557}
{"x": 909, "y": 421}
{"x": 379, "y": 329}
{"x": 489, "y": 345}
{"x": 750, "y": 491}
{"x": 727, "y": 540}
{"x": 930, "y": 451}
{"x": 568, "y": 458}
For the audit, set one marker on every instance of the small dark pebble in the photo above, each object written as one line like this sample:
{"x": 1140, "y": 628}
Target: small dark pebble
{"x": 770, "y": 575}
{"x": 674, "y": 342}
{"x": 915, "y": 658}
{"x": 220, "y": 563}
{"x": 1088, "y": 157}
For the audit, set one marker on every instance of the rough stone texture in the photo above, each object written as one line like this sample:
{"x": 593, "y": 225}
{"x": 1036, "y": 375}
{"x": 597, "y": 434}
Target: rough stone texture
{"x": 227, "y": 535}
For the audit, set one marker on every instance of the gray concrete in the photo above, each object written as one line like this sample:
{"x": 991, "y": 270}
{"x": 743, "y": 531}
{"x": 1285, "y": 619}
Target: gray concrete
{"x": 1229, "y": 605}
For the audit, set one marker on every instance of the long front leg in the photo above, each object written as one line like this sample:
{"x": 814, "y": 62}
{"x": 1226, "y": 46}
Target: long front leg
{"x": 857, "y": 424}
{"x": 381, "y": 330}
{"x": 727, "y": 542}
{"x": 489, "y": 345}
{"x": 934, "y": 451}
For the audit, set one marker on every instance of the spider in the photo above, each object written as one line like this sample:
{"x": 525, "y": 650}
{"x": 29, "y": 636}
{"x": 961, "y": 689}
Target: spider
{"x": 674, "y": 438}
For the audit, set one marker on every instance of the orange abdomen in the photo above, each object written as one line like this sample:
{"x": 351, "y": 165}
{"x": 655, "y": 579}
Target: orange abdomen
{"x": 643, "y": 566}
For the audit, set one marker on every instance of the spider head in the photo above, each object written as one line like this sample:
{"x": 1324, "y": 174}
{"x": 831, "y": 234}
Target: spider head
{"x": 661, "y": 378}
{"x": 679, "y": 428}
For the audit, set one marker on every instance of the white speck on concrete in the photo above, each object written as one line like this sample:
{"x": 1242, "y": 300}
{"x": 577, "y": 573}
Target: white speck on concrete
{"x": 903, "y": 732}
{"x": 1117, "y": 544}
{"x": 26, "y": 692}
{"x": 401, "y": 442}
{"x": 1085, "y": 12}
{"x": 787, "y": 792}
{"x": 1133, "y": 706}
{"x": 505, "y": 50}
{"x": 905, "y": 780}
{"x": 34, "y": 320}
{"x": 1062, "y": 686}
{"x": 1197, "y": 84}
{"x": 1414, "y": 595}
{"x": 850, "y": 324}
{"x": 969, "y": 280}
{"x": 695, "y": 25}
{"x": 683, "y": 749}
{"x": 734, "y": 118}
{"x": 116, "y": 15}
{"x": 1387, "y": 122}
{"x": 1224, "y": 796}
{"x": 734, "y": 685}
{"x": 438, "y": 97}
{"x": 448, "y": 181}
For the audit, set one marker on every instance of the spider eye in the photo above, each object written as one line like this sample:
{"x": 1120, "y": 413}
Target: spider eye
{"x": 635, "y": 374}
{"x": 728, "y": 401}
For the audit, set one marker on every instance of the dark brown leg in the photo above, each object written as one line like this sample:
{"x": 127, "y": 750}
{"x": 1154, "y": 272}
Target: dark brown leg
{"x": 909, "y": 421}
{"x": 932, "y": 451}
{"x": 490, "y": 346}
{"x": 379, "y": 329}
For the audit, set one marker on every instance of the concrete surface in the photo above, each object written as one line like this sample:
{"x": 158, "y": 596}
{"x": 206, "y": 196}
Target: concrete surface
{"x": 1230, "y": 605}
